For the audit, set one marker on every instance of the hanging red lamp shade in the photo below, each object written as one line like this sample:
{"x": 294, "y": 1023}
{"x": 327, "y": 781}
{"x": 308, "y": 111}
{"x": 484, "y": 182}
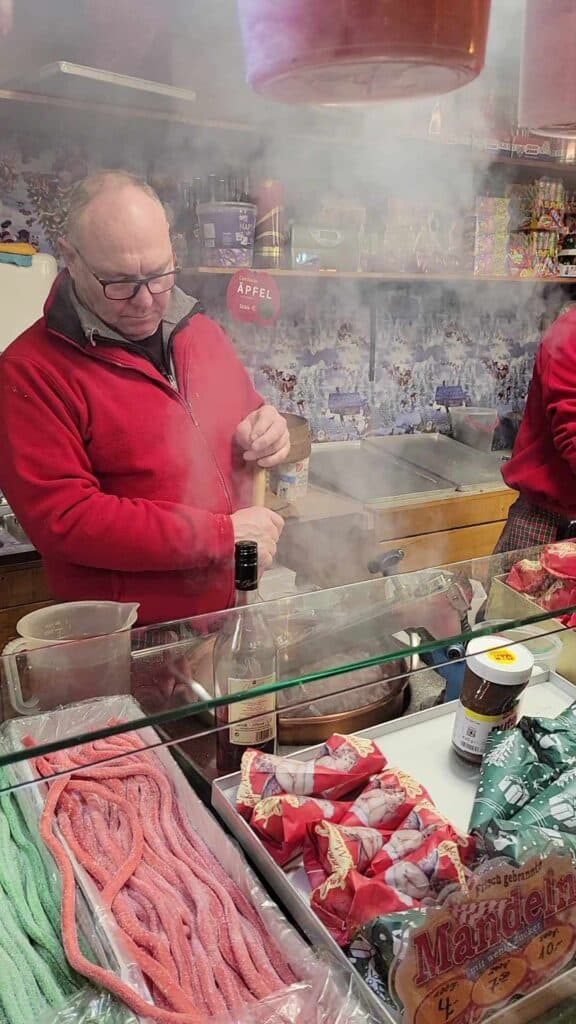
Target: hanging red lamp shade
{"x": 357, "y": 51}
{"x": 547, "y": 101}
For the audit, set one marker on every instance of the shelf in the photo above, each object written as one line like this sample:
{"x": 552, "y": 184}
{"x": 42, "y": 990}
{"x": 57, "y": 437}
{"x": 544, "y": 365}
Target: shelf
{"x": 372, "y": 275}
{"x": 179, "y": 115}
{"x": 328, "y": 133}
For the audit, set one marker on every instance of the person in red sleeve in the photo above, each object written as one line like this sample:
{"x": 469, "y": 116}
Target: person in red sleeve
{"x": 129, "y": 428}
{"x": 543, "y": 464}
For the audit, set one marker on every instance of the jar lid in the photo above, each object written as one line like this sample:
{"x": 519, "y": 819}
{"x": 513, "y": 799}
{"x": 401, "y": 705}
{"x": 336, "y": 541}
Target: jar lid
{"x": 495, "y": 662}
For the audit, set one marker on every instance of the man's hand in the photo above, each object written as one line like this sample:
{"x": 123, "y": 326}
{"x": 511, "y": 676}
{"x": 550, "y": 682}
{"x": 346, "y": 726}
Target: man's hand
{"x": 263, "y": 437}
{"x": 261, "y": 525}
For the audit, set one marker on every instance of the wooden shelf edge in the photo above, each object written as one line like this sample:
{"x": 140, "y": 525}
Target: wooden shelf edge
{"x": 189, "y": 272}
{"x": 473, "y": 153}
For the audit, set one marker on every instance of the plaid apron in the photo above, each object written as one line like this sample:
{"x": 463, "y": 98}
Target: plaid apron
{"x": 529, "y": 526}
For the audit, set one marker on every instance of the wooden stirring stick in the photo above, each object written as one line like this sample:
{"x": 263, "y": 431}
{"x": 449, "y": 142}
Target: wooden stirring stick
{"x": 258, "y": 486}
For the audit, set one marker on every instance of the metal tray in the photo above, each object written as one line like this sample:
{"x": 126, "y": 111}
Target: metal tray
{"x": 443, "y": 456}
{"x": 80, "y": 718}
{"x": 369, "y": 475}
{"x": 419, "y": 744}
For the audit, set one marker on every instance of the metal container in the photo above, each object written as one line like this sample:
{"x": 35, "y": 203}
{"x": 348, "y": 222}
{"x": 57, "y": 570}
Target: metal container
{"x": 9, "y": 523}
{"x": 418, "y": 744}
{"x": 227, "y": 233}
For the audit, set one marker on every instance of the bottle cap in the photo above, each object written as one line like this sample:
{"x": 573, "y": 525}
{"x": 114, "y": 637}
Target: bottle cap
{"x": 491, "y": 659}
{"x": 246, "y": 564}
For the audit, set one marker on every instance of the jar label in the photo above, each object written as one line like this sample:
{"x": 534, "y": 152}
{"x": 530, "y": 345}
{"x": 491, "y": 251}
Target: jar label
{"x": 502, "y": 656}
{"x": 471, "y": 730}
{"x": 255, "y": 730}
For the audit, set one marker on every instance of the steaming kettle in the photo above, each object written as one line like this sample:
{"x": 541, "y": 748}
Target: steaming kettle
{"x": 356, "y": 51}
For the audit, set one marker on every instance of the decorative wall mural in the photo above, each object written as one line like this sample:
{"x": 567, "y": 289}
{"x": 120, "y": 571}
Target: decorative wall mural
{"x": 436, "y": 345}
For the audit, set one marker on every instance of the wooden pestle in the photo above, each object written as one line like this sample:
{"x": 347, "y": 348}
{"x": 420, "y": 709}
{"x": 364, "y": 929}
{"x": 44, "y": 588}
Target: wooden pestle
{"x": 259, "y": 486}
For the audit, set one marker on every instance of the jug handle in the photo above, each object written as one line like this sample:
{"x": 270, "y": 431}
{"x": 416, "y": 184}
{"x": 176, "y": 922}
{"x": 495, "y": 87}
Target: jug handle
{"x": 12, "y": 648}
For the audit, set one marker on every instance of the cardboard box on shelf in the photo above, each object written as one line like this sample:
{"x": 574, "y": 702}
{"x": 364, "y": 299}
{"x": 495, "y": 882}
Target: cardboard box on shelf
{"x": 506, "y": 603}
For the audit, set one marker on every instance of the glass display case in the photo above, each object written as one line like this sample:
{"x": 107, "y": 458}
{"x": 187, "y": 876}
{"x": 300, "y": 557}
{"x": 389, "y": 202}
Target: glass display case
{"x": 345, "y": 659}
{"x": 89, "y": 729}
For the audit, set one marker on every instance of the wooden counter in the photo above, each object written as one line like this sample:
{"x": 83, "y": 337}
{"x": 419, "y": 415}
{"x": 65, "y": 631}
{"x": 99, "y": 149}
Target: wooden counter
{"x": 449, "y": 528}
{"x": 329, "y": 540}
{"x": 23, "y": 589}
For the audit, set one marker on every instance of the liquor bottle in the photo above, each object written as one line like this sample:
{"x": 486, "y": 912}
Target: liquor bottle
{"x": 234, "y": 189}
{"x": 194, "y": 235}
{"x": 186, "y": 227}
{"x": 179, "y": 229}
{"x": 221, "y": 190}
{"x": 269, "y": 237}
{"x": 245, "y": 657}
{"x": 246, "y": 193}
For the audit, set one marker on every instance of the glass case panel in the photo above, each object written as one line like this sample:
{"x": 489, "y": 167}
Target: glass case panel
{"x": 343, "y": 659}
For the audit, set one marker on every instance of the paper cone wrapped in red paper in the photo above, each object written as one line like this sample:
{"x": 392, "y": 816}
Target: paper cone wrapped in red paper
{"x": 386, "y": 800}
{"x": 560, "y": 559}
{"x": 550, "y": 580}
{"x": 527, "y": 577}
{"x": 384, "y": 849}
{"x": 343, "y": 765}
{"x": 283, "y": 821}
{"x": 358, "y": 873}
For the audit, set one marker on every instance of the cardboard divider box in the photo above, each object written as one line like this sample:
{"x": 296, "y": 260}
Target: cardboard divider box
{"x": 506, "y": 603}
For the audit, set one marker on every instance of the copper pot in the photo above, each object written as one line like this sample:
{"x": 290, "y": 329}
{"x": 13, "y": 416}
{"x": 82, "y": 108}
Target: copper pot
{"x": 345, "y": 703}
{"x": 354, "y": 51}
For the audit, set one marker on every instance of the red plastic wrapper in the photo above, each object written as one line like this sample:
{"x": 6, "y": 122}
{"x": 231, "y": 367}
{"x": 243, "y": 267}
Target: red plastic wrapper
{"x": 330, "y": 847}
{"x": 527, "y": 577}
{"x": 561, "y": 594}
{"x": 343, "y": 764}
{"x": 346, "y": 901}
{"x": 385, "y": 849}
{"x": 431, "y": 870}
{"x": 427, "y": 819}
{"x": 386, "y": 800}
{"x": 358, "y": 873}
{"x": 560, "y": 559}
{"x": 282, "y": 822}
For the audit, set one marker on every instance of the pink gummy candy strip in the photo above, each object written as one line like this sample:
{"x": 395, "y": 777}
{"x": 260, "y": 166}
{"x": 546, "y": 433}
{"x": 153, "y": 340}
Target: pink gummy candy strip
{"x": 195, "y": 936}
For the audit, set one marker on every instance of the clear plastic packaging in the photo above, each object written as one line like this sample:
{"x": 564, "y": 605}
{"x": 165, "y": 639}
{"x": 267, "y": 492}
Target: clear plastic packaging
{"x": 326, "y": 1001}
{"x": 90, "y": 1007}
{"x": 325, "y": 994}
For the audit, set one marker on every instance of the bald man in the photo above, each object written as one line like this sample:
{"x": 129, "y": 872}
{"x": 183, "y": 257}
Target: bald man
{"x": 129, "y": 428}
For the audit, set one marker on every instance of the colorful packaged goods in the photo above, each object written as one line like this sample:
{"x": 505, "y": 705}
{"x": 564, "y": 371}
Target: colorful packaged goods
{"x": 491, "y": 242}
{"x": 550, "y": 580}
{"x": 371, "y": 838}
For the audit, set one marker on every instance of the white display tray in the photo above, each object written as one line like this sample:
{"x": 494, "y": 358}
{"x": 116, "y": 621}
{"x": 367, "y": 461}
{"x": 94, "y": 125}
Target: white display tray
{"x": 88, "y": 716}
{"x": 421, "y": 745}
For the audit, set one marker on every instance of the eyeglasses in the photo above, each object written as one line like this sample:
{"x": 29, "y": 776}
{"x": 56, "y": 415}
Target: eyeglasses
{"x": 122, "y": 290}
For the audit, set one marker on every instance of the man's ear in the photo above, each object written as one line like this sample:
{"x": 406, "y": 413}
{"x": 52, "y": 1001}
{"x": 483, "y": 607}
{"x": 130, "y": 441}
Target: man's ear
{"x": 66, "y": 251}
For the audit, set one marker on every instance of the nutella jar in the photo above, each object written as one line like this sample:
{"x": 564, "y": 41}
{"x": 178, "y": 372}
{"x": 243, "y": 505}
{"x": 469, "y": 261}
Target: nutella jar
{"x": 495, "y": 677}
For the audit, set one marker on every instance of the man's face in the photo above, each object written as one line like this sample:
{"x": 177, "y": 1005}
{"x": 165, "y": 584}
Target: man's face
{"x": 123, "y": 236}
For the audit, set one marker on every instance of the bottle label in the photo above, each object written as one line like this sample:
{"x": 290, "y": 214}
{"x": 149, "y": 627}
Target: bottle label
{"x": 255, "y": 730}
{"x": 471, "y": 730}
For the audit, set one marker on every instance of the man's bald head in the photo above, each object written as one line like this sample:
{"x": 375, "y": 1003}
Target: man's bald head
{"x": 117, "y": 230}
{"x": 104, "y": 190}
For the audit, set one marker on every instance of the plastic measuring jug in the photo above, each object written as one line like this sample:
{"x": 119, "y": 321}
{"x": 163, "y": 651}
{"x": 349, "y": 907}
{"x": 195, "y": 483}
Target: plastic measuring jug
{"x": 69, "y": 652}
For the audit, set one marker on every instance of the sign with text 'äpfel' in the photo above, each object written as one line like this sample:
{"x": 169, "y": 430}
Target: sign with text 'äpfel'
{"x": 513, "y": 930}
{"x": 253, "y": 296}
